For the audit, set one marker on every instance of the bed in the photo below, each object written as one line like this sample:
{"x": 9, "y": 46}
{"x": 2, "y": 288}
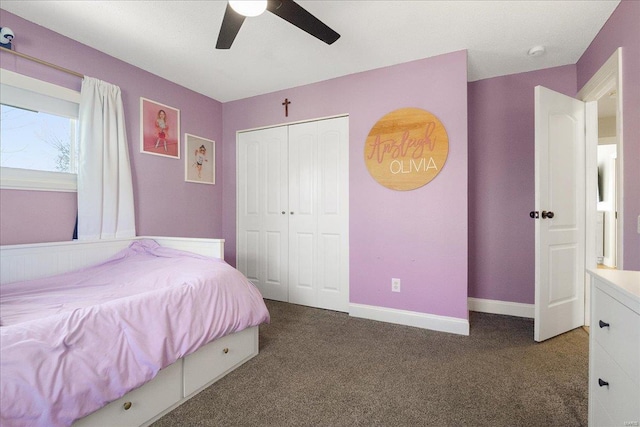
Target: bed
{"x": 79, "y": 349}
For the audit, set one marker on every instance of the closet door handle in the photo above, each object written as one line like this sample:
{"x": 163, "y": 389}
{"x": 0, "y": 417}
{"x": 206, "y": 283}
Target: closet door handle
{"x": 284, "y": 213}
{"x": 291, "y": 212}
{"x": 603, "y": 324}
{"x": 546, "y": 214}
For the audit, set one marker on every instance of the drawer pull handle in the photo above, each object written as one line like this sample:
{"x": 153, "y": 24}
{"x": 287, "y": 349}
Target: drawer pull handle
{"x": 603, "y": 324}
{"x": 602, "y": 383}
{"x": 127, "y": 406}
{"x": 225, "y": 350}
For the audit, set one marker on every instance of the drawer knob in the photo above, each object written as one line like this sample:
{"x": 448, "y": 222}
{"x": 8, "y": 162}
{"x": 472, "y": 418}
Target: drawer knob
{"x": 225, "y": 350}
{"x": 602, "y": 383}
{"x": 127, "y": 406}
{"x": 603, "y": 324}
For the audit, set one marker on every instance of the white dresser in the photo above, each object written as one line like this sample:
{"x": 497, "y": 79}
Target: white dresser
{"x": 614, "y": 349}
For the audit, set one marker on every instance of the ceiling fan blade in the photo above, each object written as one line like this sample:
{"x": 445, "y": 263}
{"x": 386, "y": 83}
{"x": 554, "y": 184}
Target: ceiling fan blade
{"x": 294, "y": 13}
{"x": 231, "y": 24}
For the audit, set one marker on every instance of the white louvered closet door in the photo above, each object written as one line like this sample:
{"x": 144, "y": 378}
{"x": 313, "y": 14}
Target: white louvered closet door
{"x": 316, "y": 207}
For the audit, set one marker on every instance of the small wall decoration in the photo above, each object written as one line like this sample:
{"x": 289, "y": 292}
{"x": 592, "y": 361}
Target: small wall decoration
{"x": 6, "y": 36}
{"x": 200, "y": 159}
{"x": 406, "y": 149}
{"x": 159, "y": 129}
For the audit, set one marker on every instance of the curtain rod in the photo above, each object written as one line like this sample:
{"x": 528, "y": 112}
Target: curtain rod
{"x": 40, "y": 61}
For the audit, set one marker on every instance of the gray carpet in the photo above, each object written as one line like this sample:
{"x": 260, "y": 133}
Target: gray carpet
{"x": 322, "y": 368}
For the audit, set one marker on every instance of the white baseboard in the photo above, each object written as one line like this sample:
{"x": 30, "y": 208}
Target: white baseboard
{"x": 433, "y": 322}
{"x": 501, "y": 307}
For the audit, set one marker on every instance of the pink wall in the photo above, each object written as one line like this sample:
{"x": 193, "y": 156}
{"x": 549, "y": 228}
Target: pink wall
{"x": 30, "y": 215}
{"x": 501, "y": 181}
{"x": 623, "y": 30}
{"x": 165, "y": 204}
{"x": 419, "y": 236}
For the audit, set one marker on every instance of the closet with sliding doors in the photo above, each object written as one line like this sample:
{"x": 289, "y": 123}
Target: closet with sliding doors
{"x": 293, "y": 212}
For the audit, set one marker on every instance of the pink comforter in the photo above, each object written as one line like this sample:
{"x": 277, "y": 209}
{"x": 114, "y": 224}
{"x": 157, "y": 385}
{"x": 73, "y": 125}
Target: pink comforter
{"x": 72, "y": 343}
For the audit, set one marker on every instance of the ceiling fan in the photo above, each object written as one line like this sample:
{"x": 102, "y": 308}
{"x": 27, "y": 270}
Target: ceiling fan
{"x": 288, "y": 10}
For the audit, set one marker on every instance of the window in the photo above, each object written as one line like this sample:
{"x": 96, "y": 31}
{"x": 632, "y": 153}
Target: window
{"x": 38, "y": 134}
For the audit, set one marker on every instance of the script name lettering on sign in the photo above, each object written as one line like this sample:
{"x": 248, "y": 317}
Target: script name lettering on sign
{"x": 406, "y": 149}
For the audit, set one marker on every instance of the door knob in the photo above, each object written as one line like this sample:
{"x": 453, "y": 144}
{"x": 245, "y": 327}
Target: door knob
{"x": 534, "y": 214}
{"x": 546, "y": 214}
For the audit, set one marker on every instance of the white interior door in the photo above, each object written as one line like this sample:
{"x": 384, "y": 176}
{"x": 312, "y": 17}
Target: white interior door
{"x": 263, "y": 192}
{"x": 319, "y": 216}
{"x": 293, "y": 212}
{"x": 303, "y": 213}
{"x": 560, "y": 203}
{"x": 333, "y": 214}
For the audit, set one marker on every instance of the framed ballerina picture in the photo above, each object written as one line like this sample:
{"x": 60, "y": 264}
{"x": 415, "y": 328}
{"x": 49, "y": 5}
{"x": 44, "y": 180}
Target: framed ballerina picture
{"x": 199, "y": 159}
{"x": 159, "y": 129}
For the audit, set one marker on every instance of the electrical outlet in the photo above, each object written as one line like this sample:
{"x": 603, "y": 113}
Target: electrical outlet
{"x": 395, "y": 285}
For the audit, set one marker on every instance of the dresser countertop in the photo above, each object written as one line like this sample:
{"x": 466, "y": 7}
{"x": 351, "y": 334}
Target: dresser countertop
{"x": 624, "y": 282}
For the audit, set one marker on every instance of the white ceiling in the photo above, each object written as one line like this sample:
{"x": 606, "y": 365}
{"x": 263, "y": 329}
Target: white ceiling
{"x": 176, "y": 39}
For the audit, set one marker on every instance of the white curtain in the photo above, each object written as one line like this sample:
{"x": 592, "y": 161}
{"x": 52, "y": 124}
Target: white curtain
{"x": 105, "y": 190}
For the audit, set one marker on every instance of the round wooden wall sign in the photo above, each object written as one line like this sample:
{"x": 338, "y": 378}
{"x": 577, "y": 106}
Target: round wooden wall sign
{"x": 406, "y": 149}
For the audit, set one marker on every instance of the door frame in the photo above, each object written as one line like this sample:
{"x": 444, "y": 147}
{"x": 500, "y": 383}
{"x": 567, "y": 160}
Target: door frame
{"x": 237, "y": 149}
{"x": 607, "y": 78}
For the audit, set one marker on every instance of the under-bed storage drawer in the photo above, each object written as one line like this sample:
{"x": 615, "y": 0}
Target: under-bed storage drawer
{"x": 217, "y": 358}
{"x": 143, "y": 403}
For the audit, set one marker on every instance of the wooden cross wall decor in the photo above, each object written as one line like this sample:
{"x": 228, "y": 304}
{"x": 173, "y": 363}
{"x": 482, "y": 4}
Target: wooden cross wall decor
{"x": 286, "y": 107}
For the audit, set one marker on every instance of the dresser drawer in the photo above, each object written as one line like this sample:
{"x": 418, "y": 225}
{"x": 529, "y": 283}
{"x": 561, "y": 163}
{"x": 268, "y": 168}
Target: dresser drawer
{"x": 621, "y": 338}
{"x": 217, "y": 358}
{"x": 145, "y": 402}
{"x": 621, "y": 396}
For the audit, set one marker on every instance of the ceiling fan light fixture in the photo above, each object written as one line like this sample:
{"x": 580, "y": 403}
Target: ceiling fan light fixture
{"x": 248, "y": 7}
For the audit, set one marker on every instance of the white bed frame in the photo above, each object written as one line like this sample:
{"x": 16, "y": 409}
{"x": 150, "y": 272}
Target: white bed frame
{"x": 176, "y": 383}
